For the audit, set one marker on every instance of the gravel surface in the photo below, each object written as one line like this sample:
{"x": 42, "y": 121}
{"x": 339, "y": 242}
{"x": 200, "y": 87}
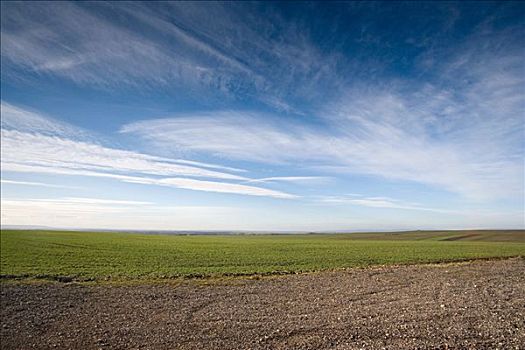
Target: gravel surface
{"x": 477, "y": 305}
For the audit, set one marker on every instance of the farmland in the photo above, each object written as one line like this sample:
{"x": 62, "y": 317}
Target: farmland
{"x": 101, "y": 256}
{"x": 135, "y": 290}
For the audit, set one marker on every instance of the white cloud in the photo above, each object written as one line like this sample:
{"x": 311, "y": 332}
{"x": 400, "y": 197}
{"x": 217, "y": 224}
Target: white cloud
{"x": 20, "y": 119}
{"x": 295, "y": 179}
{"x": 391, "y": 143}
{"x": 457, "y": 124}
{"x": 30, "y": 183}
{"x": 95, "y": 201}
{"x": 48, "y": 151}
{"x": 202, "y": 165}
{"x": 15, "y": 118}
{"x": 239, "y": 135}
{"x": 78, "y": 45}
{"x": 36, "y": 144}
{"x": 222, "y": 187}
{"x": 379, "y": 202}
{"x": 145, "y": 47}
{"x": 32, "y": 138}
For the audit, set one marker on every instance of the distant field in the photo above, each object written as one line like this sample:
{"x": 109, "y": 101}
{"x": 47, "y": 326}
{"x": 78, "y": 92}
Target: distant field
{"x": 464, "y": 235}
{"x": 122, "y": 256}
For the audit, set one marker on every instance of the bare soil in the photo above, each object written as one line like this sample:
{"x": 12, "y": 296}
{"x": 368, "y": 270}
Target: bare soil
{"x": 477, "y": 305}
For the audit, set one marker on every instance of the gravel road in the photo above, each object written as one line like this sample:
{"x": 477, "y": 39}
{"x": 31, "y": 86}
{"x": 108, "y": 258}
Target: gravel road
{"x": 476, "y": 305}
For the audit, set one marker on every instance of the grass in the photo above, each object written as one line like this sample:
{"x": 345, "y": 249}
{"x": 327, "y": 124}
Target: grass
{"x": 125, "y": 256}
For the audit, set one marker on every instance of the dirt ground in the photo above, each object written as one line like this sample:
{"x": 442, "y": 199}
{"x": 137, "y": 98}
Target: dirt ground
{"x": 477, "y": 305}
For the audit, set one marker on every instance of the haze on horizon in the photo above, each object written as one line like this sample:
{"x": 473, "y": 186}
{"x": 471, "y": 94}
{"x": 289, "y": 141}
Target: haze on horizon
{"x": 263, "y": 116}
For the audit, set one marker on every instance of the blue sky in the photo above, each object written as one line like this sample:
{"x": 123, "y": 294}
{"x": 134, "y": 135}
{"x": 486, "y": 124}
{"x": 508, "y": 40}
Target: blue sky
{"x": 263, "y": 116}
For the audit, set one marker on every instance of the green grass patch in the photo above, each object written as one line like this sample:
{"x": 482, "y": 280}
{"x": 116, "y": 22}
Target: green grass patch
{"x": 127, "y": 256}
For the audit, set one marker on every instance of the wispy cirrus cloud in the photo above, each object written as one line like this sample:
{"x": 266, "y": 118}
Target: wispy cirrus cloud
{"x": 175, "y": 182}
{"x": 78, "y": 45}
{"x": 31, "y": 183}
{"x": 85, "y": 200}
{"x": 352, "y": 144}
{"x": 460, "y": 129}
{"x": 36, "y": 149}
{"x": 378, "y": 202}
{"x": 32, "y": 143}
{"x": 293, "y": 179}
{"x": 237, "y": 134}
{"x": 16, "y": 118}
{"x": 169, "y": 46}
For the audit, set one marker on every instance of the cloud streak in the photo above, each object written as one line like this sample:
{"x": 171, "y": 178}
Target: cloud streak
{"x": 169, "y": 46}
{"x": 353, "y": 142}
{"x": 380, "y": 202}
{"x": 460, "y": 129}
{"x": 30, "y": 183}
{"x": 292, "y": 179}
{"x": 29, "y": 150}
{"x": 16, "y": 118}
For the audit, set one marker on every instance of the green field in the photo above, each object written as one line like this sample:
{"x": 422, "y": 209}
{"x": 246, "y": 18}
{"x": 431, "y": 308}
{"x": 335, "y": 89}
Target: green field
{"x": 130, "y": 256}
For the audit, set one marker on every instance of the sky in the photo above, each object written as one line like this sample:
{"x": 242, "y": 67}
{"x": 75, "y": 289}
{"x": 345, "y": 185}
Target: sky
{"x": 293, "y": 116}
